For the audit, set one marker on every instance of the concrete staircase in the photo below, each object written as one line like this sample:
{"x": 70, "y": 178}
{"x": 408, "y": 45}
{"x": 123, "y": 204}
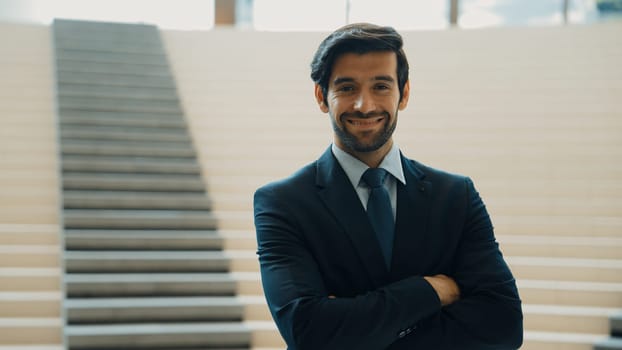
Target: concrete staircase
{"x": 31, "y": 295}
{"x": 144, "y": 262}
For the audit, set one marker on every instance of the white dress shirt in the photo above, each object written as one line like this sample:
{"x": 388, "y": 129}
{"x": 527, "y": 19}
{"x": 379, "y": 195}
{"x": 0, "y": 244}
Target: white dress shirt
{"x": 354, "y": 169}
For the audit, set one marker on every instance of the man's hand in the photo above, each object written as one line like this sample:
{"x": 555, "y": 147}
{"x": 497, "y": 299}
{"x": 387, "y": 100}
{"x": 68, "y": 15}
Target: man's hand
{"x": 445, "y": 287}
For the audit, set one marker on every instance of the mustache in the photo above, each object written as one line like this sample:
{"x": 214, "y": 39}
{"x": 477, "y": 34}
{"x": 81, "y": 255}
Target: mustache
{"x": 361, "y": 115}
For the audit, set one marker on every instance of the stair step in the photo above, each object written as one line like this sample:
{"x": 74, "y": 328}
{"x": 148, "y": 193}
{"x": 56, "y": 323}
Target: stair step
{"x": 561, "y": 246}
{"x": 239, "y": 240}
{"x": 536, "y": 340}
{"x": 134, "y": 200}
{"x": 556, "y": 318}
{"x": 139, "y": 219}
{"x": 126, "y": 40}
{"x": 142, "y": 239}
{"x": 161, "y": 105}
{"x": 235, "y": 220}
{"x": 566, "y": 269}
{"x": 30, "y": 304}
{"x": 126, "y": 182}
{"x": 596, "y": 294}
{"x": 123, "y": 133}
{"x": 33, "y": 347}
{"x": 90, "y": 116}
{"x": 108, "y": 41}
{"x": 107, "y": 44}
{"x": 555, "y": 205}
{"x": 125, "y": 149}
{"x": 110, "y": 57}
{"x": 128, "y": 165}
{"x": 116, "y": 30}
{"x": 131, "y": 130}
{"x": 22, "y": 330}
{"x": 107, "y": 119}
{"x": 151, "y": 284}
{"x": 150, "y": 336}
{"x": 243, "y": 260}
{"x": 149, "y": 310}
{"x": 27, "y": 279}
{"x": 86, "y": 89}
{"x": 94, "y": 101}
{"x": 265, "y": 335}
{"x": 108, "y": 79}
{"x": 77, "y": 185}
{"x": 609, "y": 344}
{"x": 141, "y": 261}
{"x": 598, "y": 226}
{"x": 118, "y": 68}
{"x": 233, "y": 201}
{"x": 126, "y": 129}
{"x": 23, "y": 234}
{"x": 30, "y": 255}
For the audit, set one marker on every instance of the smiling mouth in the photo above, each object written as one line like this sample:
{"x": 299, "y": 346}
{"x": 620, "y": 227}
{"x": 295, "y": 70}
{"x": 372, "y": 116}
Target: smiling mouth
{"x": 364, "y": 122}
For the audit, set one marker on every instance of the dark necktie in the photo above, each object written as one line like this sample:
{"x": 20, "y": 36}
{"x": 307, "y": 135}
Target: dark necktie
{"x": 379, "y": 211}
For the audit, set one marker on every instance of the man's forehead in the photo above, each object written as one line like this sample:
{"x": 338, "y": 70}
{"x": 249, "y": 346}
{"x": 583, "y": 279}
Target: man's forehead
{"x": 367, "y": 66}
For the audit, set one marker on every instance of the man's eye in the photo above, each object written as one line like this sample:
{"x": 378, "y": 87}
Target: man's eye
{"x": 382, "y": 87}
{"x": 345, "y": 88}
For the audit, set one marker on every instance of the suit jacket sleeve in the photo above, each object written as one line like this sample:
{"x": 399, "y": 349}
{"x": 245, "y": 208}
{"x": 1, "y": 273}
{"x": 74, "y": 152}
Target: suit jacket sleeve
{"x": 488, "y": 314}
{"x": 299, "y": 302}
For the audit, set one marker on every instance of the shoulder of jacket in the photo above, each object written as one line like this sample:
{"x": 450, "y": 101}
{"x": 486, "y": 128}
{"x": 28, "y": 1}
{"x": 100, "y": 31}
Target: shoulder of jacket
{"x": 301, "y": 177}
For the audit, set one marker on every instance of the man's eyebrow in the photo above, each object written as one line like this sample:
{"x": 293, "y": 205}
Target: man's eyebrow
{"x": 342, "y": 80}
{"x": 387, "y": 78}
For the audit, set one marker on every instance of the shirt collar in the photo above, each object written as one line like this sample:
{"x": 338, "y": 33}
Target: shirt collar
{"x": 354, "y": 168}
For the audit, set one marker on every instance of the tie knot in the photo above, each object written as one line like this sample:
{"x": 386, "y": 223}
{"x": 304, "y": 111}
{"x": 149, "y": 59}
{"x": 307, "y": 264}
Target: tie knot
{"x": 374, "y": 177}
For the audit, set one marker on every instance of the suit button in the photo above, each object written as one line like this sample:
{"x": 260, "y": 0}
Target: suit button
{"x": 402, "y": 334}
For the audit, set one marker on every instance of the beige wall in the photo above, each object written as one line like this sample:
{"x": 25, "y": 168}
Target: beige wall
{"x": 30, "y": 276}
{"x": 531, "y": 114}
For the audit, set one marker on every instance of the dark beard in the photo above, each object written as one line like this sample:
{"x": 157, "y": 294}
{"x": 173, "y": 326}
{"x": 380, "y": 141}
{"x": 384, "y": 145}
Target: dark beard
{"x": 350, "y": 141}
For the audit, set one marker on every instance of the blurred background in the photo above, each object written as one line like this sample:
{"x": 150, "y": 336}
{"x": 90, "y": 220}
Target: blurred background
{"x": 321, "y": 15}
{"x": 134, "y": 133}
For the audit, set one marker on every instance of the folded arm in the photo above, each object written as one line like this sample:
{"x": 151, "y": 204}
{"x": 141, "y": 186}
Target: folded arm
{"x": 488, "y": 314}
{"x": 306, "y": 315}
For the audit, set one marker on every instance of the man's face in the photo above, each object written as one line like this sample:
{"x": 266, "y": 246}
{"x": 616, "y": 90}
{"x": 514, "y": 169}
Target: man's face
{"x": 363, "y": 99}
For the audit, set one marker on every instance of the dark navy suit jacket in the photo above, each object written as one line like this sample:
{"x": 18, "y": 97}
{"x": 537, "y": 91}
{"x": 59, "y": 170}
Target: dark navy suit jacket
{"x": 315, "y": 240}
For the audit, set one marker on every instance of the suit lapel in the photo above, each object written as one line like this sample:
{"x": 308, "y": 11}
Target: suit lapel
{"x": 412, "y": 230}
{"x": 341, "y": 199}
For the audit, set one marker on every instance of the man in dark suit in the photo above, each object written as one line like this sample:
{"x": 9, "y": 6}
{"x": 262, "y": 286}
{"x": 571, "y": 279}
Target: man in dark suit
{"x": 410, "y": 262}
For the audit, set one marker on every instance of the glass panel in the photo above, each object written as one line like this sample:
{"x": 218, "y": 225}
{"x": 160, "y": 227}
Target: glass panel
{"x": 170, "y": 14}
{"x": 308, "y": 15}
{"x": 401, "y": 14}
{"x": 492, "y": 13}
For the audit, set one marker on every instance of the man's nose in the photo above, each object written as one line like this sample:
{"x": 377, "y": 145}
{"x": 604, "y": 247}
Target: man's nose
{"x": 364, "y": 103}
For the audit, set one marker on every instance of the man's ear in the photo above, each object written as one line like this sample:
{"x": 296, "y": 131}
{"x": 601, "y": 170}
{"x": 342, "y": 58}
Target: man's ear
{"x": 319, "y": 97}
{"x": 405, "y": 96}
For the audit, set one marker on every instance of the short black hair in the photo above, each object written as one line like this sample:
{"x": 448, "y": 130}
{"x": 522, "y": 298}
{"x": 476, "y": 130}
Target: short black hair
{"x": 359, "y": 38}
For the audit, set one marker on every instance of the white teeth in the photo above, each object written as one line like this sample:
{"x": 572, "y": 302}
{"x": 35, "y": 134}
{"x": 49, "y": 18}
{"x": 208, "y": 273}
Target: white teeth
{"x": 365, "y": 122}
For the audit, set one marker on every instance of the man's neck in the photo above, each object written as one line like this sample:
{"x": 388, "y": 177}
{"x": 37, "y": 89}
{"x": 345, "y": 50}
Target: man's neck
{"x": 373, "y": 158}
